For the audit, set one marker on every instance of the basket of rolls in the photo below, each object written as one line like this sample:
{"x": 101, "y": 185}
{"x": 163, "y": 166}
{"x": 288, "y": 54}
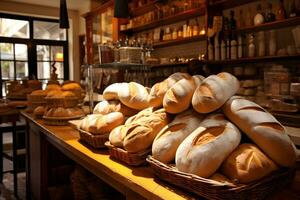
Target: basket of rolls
{"x": 218, "y": 146}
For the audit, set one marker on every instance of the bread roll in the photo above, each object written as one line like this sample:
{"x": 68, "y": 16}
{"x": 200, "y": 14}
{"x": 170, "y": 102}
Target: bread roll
{"x": 262, "y": 128}
{"x": 111, "y": 92}
{"x": 134, "y": 95}
{"x": 169, "y": 138}
{"x": 214, "y": 91}
{"x": 101, "y": 124}
{"x": 141, "y": 137}
{"x": 247, "y": 163}
{"x": 178, "y": 97}
{"x": 105, "y": 107}
{"x": 204, "y": 150}
{"x": 198, "y": 79}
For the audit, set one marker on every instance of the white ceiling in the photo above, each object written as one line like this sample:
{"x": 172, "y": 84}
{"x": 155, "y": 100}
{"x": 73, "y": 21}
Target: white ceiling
{"x": 81, "y": 5}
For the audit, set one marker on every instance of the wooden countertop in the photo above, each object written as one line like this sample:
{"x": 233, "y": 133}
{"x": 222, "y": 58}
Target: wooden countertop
{"x": 140, "y": 180}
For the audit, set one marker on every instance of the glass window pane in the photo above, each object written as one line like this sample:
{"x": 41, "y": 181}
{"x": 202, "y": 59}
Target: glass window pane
{"x": 43, "y": 70}
{"x": 57, "y": 53}
{"x": 43, "y": 53}
{"x": 21, "y": 70}
{"x": 60, "y": 70}
{"x": 21, "y": 52}
{"x": 7, "y": 51}
{"x": 7, "y": 69}
{"x": 48, "y": 31}
{"x": 14, "y": 28}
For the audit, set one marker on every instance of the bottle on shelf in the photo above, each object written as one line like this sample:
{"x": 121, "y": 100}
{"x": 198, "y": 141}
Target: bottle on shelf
{"x": 210, "y": 50}
{"x": 240, "y": 47}
{"x": 281, "y": 13}
{"x": 228, "y": 48}
{"x": 251, "y": 47}
{"x": 293, "y": 10}
{"x": 272, "y": 43}
{"x": 185, "y": 29}
{"x": 232, "y": 21}
{"x": 261, "y": 44}
{"x": 180, "y": 32}
{"x": 233, "y": 48}
{"x": 217, "y": 47}
{"x": 259, "y": 17}
{"x": 270, "y": 16}
{"x": 223, "y": 50}
{"x": 196, "y": 28}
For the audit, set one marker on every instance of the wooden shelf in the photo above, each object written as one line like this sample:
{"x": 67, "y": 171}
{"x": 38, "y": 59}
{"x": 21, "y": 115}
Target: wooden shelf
{"x": 179, "y": 41}
{"x": 168, "y": 20}
{"x": 225, "y": 4}
{"x": 144, "y": 9}
{"x": 255, "y": 60}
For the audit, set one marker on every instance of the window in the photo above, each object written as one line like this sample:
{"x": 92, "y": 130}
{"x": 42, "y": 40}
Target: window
{"x": 41, "y": 40}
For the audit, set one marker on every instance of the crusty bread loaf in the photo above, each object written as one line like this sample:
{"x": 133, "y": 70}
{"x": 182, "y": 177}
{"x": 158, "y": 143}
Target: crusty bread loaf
{"x": 118, "y": 134}
{"x": 204, "y": 150}
{"x": 134, "y": 95}
{"x": 169, "y": 138}
{"x": 159, "y": 90}
{"x": 105, "y": 107}
{"x": 141, "y": 137}
{"x": 247, "y": 163}
{"x": 178, "y": 97}
{"x": 262, "y": 128}
{"x": 142, "y": 114}
{"x": 198, "y": 79}
{"x": 214, "y": 91}
{"x": 111, "y": 92}
{"x": 101, "y": 124}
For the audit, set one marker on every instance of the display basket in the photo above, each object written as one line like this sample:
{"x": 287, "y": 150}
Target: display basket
{"x": 214, "y": 190}
{"x": 62, "y": 121}
{"x": 96, "y": 141}
{"x": 132, "y": 159}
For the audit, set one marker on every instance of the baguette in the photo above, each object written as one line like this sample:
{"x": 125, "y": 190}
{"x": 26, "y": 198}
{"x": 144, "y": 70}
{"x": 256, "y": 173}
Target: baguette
{"x": 204, "y": 150}
{"x": 263, "y": 129}
{"x": 214, "y": 91}
{"x": 169, "y": 138}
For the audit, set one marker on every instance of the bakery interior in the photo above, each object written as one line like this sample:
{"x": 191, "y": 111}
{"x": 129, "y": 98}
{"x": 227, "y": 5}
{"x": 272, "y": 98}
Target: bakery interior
{"x": 150, "y": 99}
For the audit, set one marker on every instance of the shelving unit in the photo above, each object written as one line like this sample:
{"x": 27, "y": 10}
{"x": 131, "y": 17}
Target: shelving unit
{"x": 168, "y": 20}
{"x": 144, "y": 9}
{"x": 179, "y": 41}
{"x": 225, "y": 4}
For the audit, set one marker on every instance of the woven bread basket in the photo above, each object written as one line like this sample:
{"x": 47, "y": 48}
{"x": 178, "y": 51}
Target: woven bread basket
{"x": 96, "y": 141}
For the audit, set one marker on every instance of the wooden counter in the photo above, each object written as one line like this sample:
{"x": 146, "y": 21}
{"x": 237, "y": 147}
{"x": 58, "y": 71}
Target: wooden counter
{"x": 134, "y": 182}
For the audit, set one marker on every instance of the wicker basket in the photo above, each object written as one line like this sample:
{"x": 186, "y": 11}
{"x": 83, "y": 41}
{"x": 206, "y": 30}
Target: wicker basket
{"x": 211, "y": 189}
{"x": 96, "y": 141}
{"x": 133, "y": 159}
{"x": 55, "y": 121}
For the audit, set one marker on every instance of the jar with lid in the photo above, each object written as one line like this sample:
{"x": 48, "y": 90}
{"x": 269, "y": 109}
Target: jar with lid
{"x": 251, "y": 46}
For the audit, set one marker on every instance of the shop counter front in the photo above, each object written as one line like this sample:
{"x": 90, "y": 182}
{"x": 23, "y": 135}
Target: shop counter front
{"x": 134, "y": 182}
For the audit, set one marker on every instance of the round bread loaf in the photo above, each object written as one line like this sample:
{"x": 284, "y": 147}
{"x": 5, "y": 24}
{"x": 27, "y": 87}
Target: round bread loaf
{"x": 262, "y": 128}
{"x": 134, "y": 95}
{"x": 247, "y": 163}
{"x": 214, "y": 91}
{"x": 111, "y": 92}
{"x": 178, "y": 97}
{"x": 105, "y": 107}
{"x": 101, "y": 124}
{"x": 204, "y": 150}
{"x": 170, "y": 137}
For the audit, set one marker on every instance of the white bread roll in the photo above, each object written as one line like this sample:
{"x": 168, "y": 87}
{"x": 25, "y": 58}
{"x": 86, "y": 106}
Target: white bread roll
{"x": 204, "y": 150}
{"x": 134, "y": 95}
{"x": 101, "y": 124}
{"x": 105, "y": 107}
{"x": 140, "y": 138}
{"x": 178, "y": 98}
{"x": 159, "y": 90}
{"x": 111, "y": 92}
{"x": 170, "y": 137}
{"x": 262, "y": 128}
{"x": 214, "y": 91}
{"x": 247, "y": 163}
{"x": 198, "y": 79}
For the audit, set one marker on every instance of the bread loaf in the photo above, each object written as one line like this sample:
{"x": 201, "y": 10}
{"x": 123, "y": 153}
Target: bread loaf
{"x": 101, "y": 124}
{"x": 159, "y": 90}
{"x": 198, "y": 79}
{"x": 178, "y": 97}
{"x": 214, "y": 91}
{"x": 134, "y": 95}
{"x": 169, "y": 138}
{"x": 141, "y": 137}
{"x": 262, "y": 128}
{"x": 204, "y": 150}
{"x": 118, "y": 134}
{"x": 105, "y": 107}
{"x": 111, "y": 92}
{"x": 142, "y": 114}
{"x": 223, "y": 180}
{"x": 247, "y": 163}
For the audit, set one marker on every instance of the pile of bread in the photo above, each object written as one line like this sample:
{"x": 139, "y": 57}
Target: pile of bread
{"x": 56, "y": 101}
{"x": 18, "y": 90}
{"x": 198, "y": 123}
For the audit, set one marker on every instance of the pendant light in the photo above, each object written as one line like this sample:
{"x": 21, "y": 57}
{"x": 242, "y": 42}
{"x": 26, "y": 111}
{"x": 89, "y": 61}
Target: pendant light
{"x": 121, "y": 9}
{"x": 63, "y": 17}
